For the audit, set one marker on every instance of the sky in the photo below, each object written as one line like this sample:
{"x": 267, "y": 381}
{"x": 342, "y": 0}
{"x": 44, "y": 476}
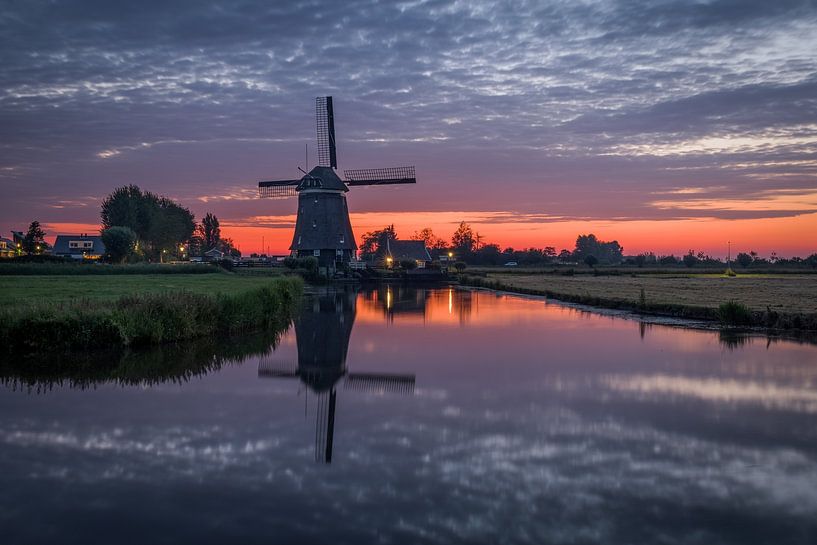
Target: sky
{"x": 667, "y": 125}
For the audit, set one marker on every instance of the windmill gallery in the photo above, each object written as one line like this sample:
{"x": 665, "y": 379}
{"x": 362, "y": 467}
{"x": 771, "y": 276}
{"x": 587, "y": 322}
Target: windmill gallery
{"x": 322, "y": 228}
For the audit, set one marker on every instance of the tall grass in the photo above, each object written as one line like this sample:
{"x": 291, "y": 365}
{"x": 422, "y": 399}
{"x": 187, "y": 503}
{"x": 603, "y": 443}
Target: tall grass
{"x": 75, "y": 269}
{"x": 147, "y": 319}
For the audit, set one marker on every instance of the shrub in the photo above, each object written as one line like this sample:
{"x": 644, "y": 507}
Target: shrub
{"x": 734, "y": 313}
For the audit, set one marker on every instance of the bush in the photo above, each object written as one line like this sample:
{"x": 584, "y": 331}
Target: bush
{"x": 408, "y": 264}
{"x": 460, "y": 266}
{"x": 734, "y": 313}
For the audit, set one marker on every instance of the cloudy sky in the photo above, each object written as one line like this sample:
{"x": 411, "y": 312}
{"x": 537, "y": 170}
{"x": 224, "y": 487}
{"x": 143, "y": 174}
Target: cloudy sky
{"x": 668, "y": 125}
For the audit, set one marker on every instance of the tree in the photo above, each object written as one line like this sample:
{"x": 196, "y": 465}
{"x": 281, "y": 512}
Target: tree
{"x": 463, "y": 239}
{"x": 127, "y": 206}
{"x": 591, "y": 260}
{"x": 119, "y": 242}
{"x": 432, "y": 241}
{"x": 210, "y": 231}
{"x": 374, "y": 241}
{"x": 690, "y": 260}
{"x": 33, "y": 241}
{"x": 604, "y": 252}
{"x": 743, "y": 259}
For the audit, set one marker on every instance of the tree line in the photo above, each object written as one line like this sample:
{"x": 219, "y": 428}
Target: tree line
{"x": 467, "y": 245}
{"x": 142, "y": 226}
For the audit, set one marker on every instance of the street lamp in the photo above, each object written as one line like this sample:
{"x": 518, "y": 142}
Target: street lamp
{"x": 388, "y": 261}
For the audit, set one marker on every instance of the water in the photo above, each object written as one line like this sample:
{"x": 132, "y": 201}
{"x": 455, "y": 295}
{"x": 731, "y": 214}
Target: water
{"x": 459, "y": 416}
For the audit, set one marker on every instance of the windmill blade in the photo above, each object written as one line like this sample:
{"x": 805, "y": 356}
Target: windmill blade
{"x": 380, "y": 176}
{"x": 276, "y": 369}
{"x": 380, "y": 382}
{"x": 278, "y": 188}
{"x": 325, "y": 116}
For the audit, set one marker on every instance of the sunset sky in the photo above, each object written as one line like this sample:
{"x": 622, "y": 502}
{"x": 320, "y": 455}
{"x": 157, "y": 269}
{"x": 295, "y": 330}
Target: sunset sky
{"x": 669, "y": 126}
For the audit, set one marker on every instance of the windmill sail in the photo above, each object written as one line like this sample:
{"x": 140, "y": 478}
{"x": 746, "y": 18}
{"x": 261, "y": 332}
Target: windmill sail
{"x": 325, "y": 116}
{"x": 380, "y": 176}
{"x": 278, "y": 188}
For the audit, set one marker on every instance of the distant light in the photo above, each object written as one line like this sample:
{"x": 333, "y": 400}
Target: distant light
{"x": 450, "y": 254}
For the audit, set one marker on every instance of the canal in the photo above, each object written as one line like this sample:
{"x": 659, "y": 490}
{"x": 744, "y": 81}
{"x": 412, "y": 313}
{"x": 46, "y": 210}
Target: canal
{"x": 406, "y": 415}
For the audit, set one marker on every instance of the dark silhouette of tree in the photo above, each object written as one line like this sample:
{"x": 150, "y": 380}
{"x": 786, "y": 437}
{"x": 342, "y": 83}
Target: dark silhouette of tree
{"x": 432, "y": 241}
{"x": 160, "y": 224}
{"x": 210, "y": 231}
{"x": 604, "y": 252}
{"x": 33, "y": 240}
{"x": 119, "y": 242}
{"x": 463, "y": 240}
{"x": 591, "y": 260}
{"x": 690, "y": 259}
{"x": 743, "y": 259}
{"x": 374, "y": 241}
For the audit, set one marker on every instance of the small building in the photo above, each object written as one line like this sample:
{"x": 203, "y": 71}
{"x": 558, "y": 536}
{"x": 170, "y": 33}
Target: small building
{"x": 7, "y": 247}
{"x": 407, "y": 250}
{"x": 82, "y": 246}
{"x": 213, "y": 254}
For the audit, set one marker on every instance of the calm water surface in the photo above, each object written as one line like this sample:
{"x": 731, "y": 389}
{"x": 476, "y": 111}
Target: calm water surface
{"x": 424, "y": 416}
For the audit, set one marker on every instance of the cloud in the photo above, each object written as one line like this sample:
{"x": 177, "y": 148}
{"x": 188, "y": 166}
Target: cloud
{"x": 559, "y": 109}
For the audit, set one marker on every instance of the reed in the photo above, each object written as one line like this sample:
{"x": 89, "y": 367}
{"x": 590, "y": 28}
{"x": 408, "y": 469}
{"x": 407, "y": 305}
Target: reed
{"x": 146, "y": 319}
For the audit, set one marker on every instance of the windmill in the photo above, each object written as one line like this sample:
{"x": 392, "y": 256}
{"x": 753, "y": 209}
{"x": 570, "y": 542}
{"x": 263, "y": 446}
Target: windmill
{"x": 322, "y": 227}
{"x": 322, "y": 332}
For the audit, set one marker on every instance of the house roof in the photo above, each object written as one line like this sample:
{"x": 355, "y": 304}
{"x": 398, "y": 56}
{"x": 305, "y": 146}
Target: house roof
{"x": 61, "y": 245}
{"x": 414, "y": 250}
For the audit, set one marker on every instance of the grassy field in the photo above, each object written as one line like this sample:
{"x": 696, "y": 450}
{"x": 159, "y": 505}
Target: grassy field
{"x": 26, "y": 290}
{"x": 772, "y": 301}
{"x": 786, "y": 293}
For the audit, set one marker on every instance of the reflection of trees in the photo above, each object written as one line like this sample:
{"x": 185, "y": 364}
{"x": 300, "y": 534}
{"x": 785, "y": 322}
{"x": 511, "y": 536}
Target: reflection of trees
{"x": 395, "y": 300}
{"x": 174, "y": 363}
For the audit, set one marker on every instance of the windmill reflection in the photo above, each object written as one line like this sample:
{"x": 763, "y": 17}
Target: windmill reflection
{"x": 322, "y": 331}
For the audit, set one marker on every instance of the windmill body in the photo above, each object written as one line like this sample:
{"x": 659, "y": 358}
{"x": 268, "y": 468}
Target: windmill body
{"x": 322, "y": 228}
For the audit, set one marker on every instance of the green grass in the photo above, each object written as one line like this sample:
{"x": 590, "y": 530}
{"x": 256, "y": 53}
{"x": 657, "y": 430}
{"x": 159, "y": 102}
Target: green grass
{"x": 98, "y": 269}
{"x": 27, "y": 290}
{"x": 57, "y": 313}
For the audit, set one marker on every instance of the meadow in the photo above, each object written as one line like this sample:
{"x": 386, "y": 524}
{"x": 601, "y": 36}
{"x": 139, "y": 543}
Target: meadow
{"x": 786, "y": 300}
{"x": 38, "y": 289}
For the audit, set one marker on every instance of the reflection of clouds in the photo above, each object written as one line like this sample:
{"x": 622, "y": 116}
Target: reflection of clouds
{"x": 767, "y": 395}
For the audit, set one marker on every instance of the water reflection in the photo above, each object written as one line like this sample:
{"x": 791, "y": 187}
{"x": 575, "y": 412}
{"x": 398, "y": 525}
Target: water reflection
{"x": 322, "y": 331}
{"x": 530, "y": 422}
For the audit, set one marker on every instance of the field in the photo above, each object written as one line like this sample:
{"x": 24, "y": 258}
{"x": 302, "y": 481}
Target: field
{"x": 24, "y": 290}
{"x": 782, "y": 293}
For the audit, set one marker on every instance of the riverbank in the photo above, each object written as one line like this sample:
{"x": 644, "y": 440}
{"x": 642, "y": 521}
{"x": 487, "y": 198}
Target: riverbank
{"x": 786, "y": 302}
{"x": 60, "y": 313}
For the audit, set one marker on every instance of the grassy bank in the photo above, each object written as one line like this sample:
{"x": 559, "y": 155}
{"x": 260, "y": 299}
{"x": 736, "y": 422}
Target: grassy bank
{"x": 97, "y": 269}
{"x": 56, "y": 313}
{"x": 779, "y": 302}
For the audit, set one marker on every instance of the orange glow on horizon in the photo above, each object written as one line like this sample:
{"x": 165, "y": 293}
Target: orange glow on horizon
{"x": 785, "y": 236}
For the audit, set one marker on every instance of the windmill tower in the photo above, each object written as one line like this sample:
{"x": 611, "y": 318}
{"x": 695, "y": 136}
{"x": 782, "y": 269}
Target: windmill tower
{"x": 322, "y": 227}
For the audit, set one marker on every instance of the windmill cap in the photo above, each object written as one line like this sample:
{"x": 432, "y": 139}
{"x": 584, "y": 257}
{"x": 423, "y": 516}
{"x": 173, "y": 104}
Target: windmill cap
{"x": 325, "y": 177}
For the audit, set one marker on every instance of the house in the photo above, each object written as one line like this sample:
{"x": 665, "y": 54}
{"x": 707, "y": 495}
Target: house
{"x": 407, "y": 250}
{"x": 82, "y": 246}
{"x": 7, "y": 247}
{"x": 213, "y": 254}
